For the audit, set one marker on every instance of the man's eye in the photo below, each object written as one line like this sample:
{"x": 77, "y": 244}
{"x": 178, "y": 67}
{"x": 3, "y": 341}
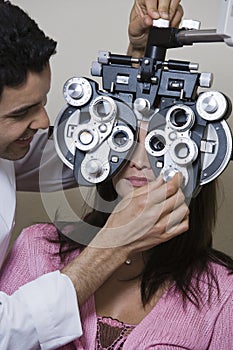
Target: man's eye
{"x": 19, "y": 114}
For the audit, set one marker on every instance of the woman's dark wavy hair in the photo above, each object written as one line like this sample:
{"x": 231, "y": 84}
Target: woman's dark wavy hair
{"x": 23, "y": 46}
{"x": 180, "y": 261}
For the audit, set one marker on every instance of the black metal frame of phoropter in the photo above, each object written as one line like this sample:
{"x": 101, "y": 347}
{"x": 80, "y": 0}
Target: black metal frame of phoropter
{"x": 162, "y": 85}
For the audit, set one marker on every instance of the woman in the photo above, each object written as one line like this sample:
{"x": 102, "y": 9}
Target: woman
{"x": 177, "y": 295}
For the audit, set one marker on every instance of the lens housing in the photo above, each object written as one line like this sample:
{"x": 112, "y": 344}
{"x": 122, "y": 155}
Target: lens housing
{"x": 156, "y": 143}
{"x": 180, "y": 118}
{"x": 121, "y": 139}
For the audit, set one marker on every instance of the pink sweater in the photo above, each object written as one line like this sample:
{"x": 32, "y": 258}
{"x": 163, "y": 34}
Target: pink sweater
{"x": 167, "y": 327}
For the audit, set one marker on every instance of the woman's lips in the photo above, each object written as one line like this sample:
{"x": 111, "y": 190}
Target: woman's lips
{"x": 137, "y": 181}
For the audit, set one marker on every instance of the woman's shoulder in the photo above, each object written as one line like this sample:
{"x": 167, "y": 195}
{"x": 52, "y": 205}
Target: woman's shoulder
{"x": 40, "y": 235}
{"x": 215, "y": 285}
{"x": 223, "y": 276}
{"x": 43, "y": 240}
{"x": 42, "y": 231}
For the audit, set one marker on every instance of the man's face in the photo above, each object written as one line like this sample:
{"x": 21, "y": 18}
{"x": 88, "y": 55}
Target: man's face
{"x": 22, "y": 113}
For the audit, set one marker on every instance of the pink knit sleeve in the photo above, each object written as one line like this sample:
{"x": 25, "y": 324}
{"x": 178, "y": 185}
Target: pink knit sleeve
{"x": 27, "y": 259}
{"x": 222, "y": 337}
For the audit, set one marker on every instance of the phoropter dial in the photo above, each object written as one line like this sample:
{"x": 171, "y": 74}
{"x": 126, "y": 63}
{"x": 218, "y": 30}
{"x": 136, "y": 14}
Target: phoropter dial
{"x": 77, "y": 91}
{"x": 212, "y": 105}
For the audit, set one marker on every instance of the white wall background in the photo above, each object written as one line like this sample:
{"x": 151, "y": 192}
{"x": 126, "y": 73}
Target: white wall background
{"x": 84, "y": 27}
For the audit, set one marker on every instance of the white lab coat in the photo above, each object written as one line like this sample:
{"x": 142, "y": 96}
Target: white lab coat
{"x": 42, "y": 314}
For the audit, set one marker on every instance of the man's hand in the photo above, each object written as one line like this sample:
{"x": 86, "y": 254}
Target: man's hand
{"x": 148, "y": 216}
{"x": 145, "y": 217}
{"x": 141, "y": 17}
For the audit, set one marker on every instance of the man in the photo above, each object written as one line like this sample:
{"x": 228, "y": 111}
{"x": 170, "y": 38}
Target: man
{"x": 44, "y": 313}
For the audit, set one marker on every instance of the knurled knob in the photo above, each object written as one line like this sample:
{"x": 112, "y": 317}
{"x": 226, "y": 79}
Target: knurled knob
{"x": 209, "y": 104}
{"x": 75, "y": 91}
{"x": 94, "y": 167}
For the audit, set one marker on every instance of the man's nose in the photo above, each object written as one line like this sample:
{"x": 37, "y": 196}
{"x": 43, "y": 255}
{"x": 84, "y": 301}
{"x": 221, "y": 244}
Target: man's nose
{"x": 40, "y": 120}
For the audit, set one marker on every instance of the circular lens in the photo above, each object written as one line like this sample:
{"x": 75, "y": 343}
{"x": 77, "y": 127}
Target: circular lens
{"x": 102, "y": 108}
{"x": 157, "y": 143}
{"x": 85, "y": 137}
{"x": 178, "y": 117}
{"x": 182, "y": 150}
{"x": 120, "y": 138}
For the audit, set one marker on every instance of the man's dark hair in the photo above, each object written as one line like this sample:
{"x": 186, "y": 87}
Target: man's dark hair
{"x": 24, "y": 47}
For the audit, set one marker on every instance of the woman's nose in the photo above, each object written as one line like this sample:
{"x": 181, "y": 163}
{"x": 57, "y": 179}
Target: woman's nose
{"x": 139, "y": 158}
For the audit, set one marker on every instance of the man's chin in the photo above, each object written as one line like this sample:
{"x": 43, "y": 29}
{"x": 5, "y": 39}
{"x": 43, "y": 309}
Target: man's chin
{"x": 15, "y": 155}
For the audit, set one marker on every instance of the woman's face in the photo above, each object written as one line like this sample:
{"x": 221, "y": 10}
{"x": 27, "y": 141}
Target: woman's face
{"x": 137, "y": 171}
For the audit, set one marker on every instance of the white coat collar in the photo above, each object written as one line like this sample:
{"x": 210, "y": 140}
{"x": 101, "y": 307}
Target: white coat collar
{"x": 7, "y": 204}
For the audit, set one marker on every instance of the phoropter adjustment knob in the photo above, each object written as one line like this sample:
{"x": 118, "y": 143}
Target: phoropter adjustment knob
{"x": 77, "y": 91}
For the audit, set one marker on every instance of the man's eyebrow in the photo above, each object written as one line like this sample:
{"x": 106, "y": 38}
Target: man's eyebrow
{"x": 22, "y": 109}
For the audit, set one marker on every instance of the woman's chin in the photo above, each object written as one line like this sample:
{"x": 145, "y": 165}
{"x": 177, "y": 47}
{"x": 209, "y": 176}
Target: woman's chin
{"x": 123, "y": 187}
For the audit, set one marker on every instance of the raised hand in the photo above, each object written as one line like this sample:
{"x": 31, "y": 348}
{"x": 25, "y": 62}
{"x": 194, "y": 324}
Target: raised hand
{"x": 141, "y": 17}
